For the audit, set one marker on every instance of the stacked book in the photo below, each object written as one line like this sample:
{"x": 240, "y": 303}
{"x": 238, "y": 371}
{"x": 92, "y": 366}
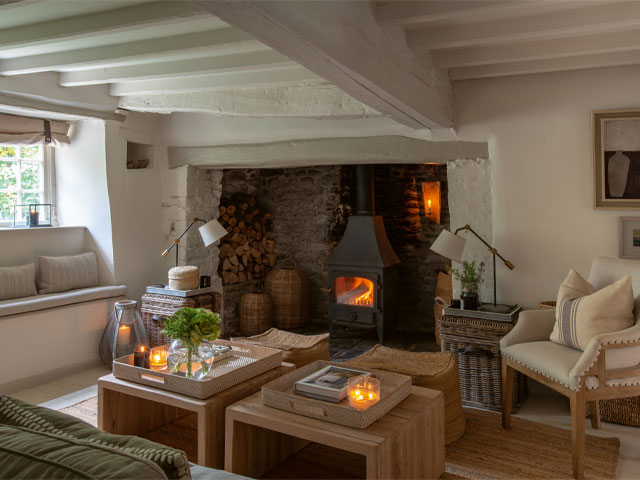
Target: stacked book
{"x": 328, "y": 384}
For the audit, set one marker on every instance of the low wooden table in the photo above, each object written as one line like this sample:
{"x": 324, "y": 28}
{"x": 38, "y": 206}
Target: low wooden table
{"x": 408, "y": 442}
{"x": 128, "y": 408}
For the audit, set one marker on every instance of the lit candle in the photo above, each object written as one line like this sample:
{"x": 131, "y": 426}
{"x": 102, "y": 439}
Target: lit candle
{"x": 158, "y": 358}
{"x": 429, "y": 211}
{"x": 141, "y": 357}
{"x": 124, "y": 335}
{"x": 363, "y": 392}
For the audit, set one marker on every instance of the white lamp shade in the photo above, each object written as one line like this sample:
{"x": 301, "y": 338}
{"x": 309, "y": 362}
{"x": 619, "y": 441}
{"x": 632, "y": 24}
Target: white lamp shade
{"x": 211, "y": 232}
{"x": 449, "y": 246}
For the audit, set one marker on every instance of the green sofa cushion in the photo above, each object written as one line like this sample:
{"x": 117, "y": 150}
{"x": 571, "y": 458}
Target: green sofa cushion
{"x": 14, "y": 412}
{"x": 28, "y": 454}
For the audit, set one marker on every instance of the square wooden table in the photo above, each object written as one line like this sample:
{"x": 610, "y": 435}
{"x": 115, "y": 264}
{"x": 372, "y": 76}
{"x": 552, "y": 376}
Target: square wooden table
{"x": 408, "y": 442}
{"x": 128, "y": 408}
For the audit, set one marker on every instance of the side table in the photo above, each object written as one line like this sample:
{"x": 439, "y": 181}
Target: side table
{"x": 129, "y": 408}
{"x": 408, "y": 442}
{"x": 475, "y": 342}
{"x": 155, "y": 307}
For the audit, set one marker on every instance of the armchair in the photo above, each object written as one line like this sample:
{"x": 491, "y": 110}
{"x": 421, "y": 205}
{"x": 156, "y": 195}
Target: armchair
{"x": 608, "y": 368}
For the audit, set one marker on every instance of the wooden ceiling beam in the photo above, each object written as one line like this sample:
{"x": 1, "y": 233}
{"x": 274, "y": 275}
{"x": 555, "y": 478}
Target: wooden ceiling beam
{"x": 374, "y": 69}
{"x": 223, "y": 41}
{"x": 611, "y": 16}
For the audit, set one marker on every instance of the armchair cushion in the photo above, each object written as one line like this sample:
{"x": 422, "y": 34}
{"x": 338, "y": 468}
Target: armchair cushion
{"x": 547, "y": 358}
{"x": 583, "y": 313}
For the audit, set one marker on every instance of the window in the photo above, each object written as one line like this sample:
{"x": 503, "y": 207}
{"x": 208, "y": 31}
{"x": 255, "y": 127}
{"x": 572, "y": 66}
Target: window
{"x": 24, "y": 178}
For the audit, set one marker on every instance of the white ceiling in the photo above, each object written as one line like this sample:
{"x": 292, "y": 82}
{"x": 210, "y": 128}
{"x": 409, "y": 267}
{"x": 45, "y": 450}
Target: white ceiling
{"x": 145, "y": 49}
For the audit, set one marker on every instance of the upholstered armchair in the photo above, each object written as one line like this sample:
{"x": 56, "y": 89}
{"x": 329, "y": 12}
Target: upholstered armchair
{"x": 608, "y": 368}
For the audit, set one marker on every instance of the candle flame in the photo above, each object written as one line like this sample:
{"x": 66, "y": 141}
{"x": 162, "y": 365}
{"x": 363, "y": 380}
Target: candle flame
{"x": 142, "y": 348}
{"x": 429, "y": 202}
{"x": 156, "y": 357}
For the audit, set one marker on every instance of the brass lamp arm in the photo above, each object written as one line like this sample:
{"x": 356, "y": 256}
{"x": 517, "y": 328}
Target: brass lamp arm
{"x": 177, "y": 240}
{"x": 493, "y": 251}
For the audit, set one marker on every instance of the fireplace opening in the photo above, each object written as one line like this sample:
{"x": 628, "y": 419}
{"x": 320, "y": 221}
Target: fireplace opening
{"x": 354, "y": 291}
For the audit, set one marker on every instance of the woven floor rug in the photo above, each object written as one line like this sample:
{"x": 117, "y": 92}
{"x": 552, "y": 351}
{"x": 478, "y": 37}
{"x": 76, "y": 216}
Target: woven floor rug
{"x": 529, "y": 450}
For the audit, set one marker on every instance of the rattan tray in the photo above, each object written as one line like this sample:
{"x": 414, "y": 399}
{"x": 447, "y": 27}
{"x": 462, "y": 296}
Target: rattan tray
{"x": 246, "y": 362}
{"x": 279, "y": 394}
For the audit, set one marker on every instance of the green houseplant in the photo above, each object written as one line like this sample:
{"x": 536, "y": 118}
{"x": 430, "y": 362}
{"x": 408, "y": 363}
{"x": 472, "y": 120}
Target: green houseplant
{"x": 191, "y": 329}
{"x": 470, "y": 276}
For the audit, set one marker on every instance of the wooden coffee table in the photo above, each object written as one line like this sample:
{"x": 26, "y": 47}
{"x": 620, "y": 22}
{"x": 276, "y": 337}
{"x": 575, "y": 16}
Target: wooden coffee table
{"x": 128, "y": 408}
{"x": 408, "y": 442}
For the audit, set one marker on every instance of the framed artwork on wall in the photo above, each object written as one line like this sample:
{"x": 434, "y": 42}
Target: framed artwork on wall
{"x": 616, "y": 154}
{"x": 630, "y": 237}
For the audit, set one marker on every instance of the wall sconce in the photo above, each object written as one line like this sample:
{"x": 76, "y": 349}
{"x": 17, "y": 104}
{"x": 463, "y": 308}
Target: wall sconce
{"x": 431, "y": 196}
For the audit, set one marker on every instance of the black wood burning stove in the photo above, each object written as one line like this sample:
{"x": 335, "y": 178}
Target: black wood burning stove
{"x": 363, "y": 267}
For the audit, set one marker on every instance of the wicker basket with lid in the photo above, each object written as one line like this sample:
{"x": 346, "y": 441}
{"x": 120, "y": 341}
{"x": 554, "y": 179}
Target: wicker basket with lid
{"x": 184, "y": 278}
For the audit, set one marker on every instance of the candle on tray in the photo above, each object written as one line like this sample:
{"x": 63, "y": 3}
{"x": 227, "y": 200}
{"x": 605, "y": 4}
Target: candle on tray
{"x": 124, "y": 335}
{"x": 141, "y": 357}
{"x": 363, "y": 392}
{"x": 158, "y": 358}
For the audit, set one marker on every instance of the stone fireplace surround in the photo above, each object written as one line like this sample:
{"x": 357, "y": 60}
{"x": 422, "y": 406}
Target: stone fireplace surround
{"x": 310, "y": 208}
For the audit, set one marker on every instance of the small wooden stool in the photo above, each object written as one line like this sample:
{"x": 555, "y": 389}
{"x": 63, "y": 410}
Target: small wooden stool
{"x": 297, "y": 349}
{"x": 435, "y": 370}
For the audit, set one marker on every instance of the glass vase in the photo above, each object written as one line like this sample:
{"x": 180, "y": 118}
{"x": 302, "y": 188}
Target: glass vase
{"x": 192, "y": 363}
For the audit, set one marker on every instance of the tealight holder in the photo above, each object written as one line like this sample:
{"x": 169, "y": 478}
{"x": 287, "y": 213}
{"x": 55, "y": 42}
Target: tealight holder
{"x": 363, "y": 391}
{"x": 158, "y": 358}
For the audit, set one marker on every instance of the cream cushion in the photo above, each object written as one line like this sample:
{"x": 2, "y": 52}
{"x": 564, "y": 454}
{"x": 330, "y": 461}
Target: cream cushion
{"x": 583, "y": 313}
{"x": 60, "y": 274}
{"x": 17, "y": 282}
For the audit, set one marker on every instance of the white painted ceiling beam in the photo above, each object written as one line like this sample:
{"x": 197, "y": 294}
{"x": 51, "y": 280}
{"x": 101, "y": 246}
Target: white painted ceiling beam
{"x": 84, "y": 26}
{"x": 281, "y": 76}
{"x": 343, "y": 43}
{"x": 326, "y": 151}
{"x": 541, "y": 49}
{"x": 308, "y": 101}
{"x": 411, "y": 14}
{"x": 546, "y": 65}
{"x": 223, "y": 41}
{"x": 574, "y": 20}
{"x": 246, "y": 61}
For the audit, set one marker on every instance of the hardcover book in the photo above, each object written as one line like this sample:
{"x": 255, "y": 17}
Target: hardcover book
{"x": 328, "y": 384}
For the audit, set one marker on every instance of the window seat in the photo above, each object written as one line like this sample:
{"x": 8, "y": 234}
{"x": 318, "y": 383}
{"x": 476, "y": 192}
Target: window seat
{"x": 35, "y": 303}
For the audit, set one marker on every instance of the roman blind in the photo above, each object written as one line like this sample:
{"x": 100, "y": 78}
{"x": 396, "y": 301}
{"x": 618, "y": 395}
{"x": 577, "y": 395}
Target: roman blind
{"x": 23, "y": 131}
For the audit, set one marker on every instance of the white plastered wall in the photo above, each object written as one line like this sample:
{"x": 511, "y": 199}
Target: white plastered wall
{"x": 540, "y": 144}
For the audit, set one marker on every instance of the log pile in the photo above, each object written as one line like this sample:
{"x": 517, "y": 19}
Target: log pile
{"x": 247, "y": 252}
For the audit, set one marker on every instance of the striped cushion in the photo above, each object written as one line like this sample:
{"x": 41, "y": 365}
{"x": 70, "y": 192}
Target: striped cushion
{"x": 16, "y": 282}
{"x": 60, "y": 274}
{"x": 583, "y": 313}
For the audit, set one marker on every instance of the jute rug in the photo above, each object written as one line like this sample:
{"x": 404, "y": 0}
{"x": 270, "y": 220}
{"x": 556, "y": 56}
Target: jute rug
{"x": 529, "y": 450}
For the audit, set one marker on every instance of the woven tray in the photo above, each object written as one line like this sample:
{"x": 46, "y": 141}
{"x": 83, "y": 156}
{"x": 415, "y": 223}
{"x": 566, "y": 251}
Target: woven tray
{"x": 247, "y": 361}
{"x": 394, "y": 388}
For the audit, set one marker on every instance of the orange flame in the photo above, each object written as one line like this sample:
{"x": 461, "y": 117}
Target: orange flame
{"x": 366, "y": 299}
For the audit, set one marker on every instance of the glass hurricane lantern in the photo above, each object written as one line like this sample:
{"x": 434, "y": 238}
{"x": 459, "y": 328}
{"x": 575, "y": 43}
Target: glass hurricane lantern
{"x": 124, "y": 333}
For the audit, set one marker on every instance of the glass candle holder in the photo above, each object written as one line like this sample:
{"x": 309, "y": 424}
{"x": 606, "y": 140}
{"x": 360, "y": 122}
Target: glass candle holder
{"x": 158, "y": 358}
{"x": 141, "y": 357}
{"x": 363, "y": 392}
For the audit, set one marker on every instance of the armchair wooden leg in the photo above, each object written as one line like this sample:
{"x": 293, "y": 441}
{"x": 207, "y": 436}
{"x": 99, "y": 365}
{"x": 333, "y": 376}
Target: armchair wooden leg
{"x": 507, "y": 393}
{"x": 594, "y": 409}
{"x": 578, "y": 412}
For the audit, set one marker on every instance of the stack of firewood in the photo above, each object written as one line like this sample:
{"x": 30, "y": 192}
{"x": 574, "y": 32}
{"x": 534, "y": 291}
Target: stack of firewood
{"x": 248, "y": 251}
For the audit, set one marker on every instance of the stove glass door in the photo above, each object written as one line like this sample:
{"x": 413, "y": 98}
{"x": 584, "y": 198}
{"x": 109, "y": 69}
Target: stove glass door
{"x": 354, "y": 291}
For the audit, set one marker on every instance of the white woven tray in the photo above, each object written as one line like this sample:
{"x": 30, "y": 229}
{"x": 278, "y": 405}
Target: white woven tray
{"x": 245, "y": 362}
{"x": 279, "y": 394}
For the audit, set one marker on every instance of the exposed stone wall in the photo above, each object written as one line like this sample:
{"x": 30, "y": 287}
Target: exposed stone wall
{"x": 470, "y": 197}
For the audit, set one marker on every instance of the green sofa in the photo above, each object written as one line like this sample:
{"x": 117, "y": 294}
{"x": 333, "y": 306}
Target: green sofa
{"x": 39, "y": 443}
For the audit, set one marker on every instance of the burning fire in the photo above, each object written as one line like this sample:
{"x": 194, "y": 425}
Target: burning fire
{"x": 354, "y": 291}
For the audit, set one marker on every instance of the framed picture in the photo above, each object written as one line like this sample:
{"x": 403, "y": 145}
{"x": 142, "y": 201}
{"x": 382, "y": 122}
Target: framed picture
{"x": 616, "y": 153}
{"x": 630, "y": 237}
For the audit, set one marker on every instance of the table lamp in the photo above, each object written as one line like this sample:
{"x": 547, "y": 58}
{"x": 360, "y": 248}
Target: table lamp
{"x": 450, "y": 246}
{"x": 210, "y": 232}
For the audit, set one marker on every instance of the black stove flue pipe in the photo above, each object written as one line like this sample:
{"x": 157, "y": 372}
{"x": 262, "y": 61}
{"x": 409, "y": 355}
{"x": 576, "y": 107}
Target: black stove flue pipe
{"x": 365, "y": 203}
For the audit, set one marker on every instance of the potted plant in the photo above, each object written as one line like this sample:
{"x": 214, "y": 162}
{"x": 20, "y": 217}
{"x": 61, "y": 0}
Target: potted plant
{"x": 470, "y": 277}
{"x": 191, "y": 329}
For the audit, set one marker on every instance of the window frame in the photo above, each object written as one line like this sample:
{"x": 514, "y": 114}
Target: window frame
{"x": 47, "y": 179}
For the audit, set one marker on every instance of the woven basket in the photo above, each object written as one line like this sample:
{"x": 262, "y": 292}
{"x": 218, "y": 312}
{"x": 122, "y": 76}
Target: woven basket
{"x": 289, "y": 292}
{"x": 623, "y": 411}
{"x": 548, "y": 305}
{"x": 255, "y": 313}
{"x": 297, "y": 349}
{"x": 475, "y": 343}
{"x": 435, "y": 370}
{"x": 155, "y": 308}
{"x": 184, "y": 278}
